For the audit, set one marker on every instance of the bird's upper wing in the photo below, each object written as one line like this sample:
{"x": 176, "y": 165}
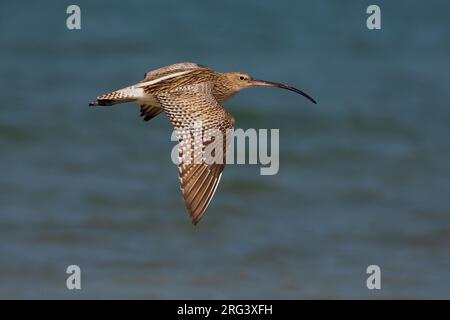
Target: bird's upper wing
{"x": 194, "y": 110}
{"x": 152, "y": 108}
{"x": 154, "y": 74}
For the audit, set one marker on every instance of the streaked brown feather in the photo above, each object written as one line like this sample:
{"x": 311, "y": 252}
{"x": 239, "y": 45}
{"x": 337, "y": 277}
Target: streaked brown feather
{"x": 184, "y": 107}
{"x": 154, "y": 74}
{"x": 150, "y": 111}
{"x": 195, "y": 77}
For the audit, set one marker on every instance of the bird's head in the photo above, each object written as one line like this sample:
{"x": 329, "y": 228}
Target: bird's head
{"x": 240, "y": 80}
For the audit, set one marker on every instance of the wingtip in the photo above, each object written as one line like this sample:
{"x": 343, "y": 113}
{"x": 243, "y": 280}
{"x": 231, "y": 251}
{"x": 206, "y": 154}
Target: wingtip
{"x": 93, "y": 104}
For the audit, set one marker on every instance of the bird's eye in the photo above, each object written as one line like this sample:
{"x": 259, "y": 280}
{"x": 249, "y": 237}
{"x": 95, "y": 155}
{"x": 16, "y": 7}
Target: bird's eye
{"x": 241, "y": 78}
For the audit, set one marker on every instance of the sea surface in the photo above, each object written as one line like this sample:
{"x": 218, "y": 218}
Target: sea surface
{"x": 364, "y": 176}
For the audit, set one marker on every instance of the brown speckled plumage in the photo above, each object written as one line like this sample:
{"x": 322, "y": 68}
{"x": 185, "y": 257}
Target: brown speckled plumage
{"x": 190, "y": 94}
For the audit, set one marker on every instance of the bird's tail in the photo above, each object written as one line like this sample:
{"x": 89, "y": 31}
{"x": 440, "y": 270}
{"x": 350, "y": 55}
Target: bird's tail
{"x": 129, "y": 94}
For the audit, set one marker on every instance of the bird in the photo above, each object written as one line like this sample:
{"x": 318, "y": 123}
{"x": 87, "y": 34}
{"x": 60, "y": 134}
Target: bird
{"x": 188, "y": 92}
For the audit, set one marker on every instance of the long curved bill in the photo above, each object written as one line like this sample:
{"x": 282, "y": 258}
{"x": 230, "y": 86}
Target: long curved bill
{"x": 283, "y": 86}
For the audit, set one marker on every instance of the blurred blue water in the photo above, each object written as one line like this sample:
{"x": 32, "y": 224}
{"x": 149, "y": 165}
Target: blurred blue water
{"x": 364, "y": 177}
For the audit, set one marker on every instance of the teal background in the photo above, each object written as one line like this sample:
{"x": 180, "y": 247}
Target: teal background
{"x": 364, "y": 176}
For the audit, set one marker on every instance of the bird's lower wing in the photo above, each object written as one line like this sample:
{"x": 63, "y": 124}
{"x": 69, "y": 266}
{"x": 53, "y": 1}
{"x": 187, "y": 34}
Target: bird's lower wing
{"x": 149, "y": 111}
{"x": 203, "y": 128}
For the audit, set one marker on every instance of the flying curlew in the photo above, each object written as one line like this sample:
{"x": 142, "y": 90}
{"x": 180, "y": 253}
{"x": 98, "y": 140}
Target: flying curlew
{"x": 188, "y": 92}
